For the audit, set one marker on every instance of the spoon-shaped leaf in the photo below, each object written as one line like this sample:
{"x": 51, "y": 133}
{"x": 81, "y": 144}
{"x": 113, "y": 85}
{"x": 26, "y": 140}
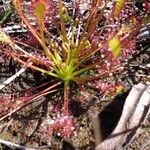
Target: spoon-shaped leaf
{"x": 114, "y": 44}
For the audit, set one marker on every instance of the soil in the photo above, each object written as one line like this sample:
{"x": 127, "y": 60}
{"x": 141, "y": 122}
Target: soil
{"x": 26, "y": 127}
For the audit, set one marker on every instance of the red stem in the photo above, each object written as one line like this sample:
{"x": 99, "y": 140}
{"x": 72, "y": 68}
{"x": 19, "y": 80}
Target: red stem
{"x": 66, "y": 99}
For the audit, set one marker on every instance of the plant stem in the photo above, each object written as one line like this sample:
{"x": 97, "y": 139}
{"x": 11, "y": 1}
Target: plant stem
{"x": 66, "y": 98}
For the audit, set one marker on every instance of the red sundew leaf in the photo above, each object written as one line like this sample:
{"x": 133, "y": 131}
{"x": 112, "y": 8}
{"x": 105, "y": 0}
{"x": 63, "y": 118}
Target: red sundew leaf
{"x": 50, "y": 13}
{"x": 63, "y": 125}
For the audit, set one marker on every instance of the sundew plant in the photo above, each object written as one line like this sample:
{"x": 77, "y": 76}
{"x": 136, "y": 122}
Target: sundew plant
{"x": 68, "y": 41}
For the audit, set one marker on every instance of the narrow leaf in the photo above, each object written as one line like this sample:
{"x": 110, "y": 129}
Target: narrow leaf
{"x": 18, "y": 8}
{"x": 118, "y": 7}
{"x": 40, "y": 11}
